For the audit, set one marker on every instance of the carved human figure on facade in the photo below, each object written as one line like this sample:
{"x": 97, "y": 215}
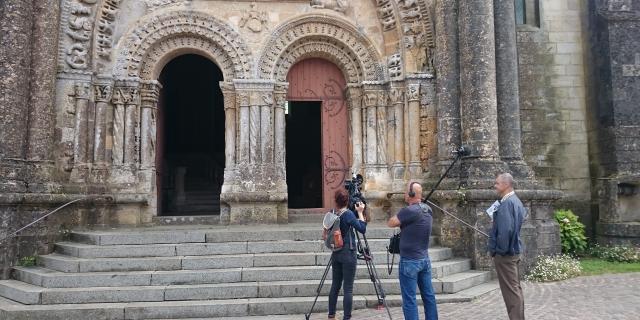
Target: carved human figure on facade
{"x": 253, "y": 19}
{"x": 335, "y": 5}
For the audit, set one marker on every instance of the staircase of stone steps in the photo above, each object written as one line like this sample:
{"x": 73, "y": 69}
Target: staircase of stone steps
{"x": 182, "y": 272}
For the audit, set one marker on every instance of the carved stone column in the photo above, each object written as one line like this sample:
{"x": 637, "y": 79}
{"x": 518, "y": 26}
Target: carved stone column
{"x": 243, "y": 146}
{"x": 413, "y": 126}
{"x": 280, "y": 96}
{"x": 447, "y": 83}
{"x": 369, "y": 101}
{"x": 102, "y": 96}
{"x": 149, "y": 94}
{"x": 81, "y": 135}
{"x": 381, "y": 124}
{"x": 354, "y": 94}
{"x": 478, "y": 90}
{"x": 117, "y": 151}
{"x": 266, "y": 127}
{"x": 229, "y": 94}
{"x": 131, "y": 120}
{"x": 397, "y": 102}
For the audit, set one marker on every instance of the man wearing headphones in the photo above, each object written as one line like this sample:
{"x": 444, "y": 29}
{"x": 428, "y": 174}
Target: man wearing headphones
{"x": 415, "y": 267}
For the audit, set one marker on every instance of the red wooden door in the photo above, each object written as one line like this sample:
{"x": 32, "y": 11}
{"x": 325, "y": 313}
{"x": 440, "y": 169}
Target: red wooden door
{"x": 320, "y": 80}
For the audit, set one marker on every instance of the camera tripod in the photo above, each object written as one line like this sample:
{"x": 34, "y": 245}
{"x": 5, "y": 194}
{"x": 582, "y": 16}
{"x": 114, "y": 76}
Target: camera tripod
{"x": 364, "y": 253}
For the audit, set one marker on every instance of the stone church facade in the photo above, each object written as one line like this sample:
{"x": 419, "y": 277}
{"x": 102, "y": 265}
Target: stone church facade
{"x": 400, "y": 85}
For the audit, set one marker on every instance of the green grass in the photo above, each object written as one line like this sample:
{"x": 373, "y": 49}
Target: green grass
{"x": 595, "y": 266}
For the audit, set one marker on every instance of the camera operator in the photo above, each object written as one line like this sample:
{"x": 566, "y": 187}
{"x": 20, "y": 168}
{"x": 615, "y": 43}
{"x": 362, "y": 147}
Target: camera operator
{"x": 345, "y": 261}
{"x": 415, "y": 221}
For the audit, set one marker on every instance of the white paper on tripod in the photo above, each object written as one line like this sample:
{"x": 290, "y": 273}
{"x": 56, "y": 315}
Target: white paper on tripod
{"x": 494, "y": 207}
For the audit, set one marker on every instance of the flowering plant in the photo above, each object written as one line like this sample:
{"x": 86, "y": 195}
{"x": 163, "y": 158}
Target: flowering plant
{"x": 554, "y": 268}
{"x": 571, "y": 232}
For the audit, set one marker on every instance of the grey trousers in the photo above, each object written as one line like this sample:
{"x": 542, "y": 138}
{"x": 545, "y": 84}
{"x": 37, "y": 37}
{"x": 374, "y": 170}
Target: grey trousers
{"x": 509, "y": 279}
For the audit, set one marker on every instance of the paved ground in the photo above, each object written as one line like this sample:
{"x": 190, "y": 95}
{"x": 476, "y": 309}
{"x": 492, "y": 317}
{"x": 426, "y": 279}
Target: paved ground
{"x": 611, "y": 297}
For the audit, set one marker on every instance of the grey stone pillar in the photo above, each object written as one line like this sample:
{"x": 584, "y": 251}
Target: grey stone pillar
{"x": 131, "y": 120}
{"x": 398, "y": 160}
{"x": 354, "y": 95}
{"x": 243, "y": 146}
{"x": 117, "y": 151}
{"x": 413, "y": 127}
{"x": 266, "y": 127}
{"x": 507, "y": 81}
{"x": 478, "y": 89}
{"x": 102, "y": 96}
{"x": 447, "y": 80}
{"x": 381, "y": 124}
{"x": 149, "y": 96}
{"x": 229, "y": 95}
{"x": 369, "y": 100}
{"x": 81, "y": 136}
{"x": 16, "y": 27}
{"x": 44, "y": 54}
{"x": 254, "y": 128}
{"x": 280, "y": 148}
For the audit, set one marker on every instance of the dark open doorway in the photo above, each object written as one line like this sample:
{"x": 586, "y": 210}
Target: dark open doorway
{"x": 191, "y": 137}
{"x": 304, "y": 154}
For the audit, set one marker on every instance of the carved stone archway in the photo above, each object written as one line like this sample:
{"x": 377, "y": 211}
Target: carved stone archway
{"x": 156, "y": 39}
{"x": 320, "y": 37}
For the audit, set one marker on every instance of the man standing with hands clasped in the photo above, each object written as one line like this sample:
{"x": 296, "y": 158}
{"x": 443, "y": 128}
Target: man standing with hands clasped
{"x": 505, "y": 245}
{"x": 415, "y": 267}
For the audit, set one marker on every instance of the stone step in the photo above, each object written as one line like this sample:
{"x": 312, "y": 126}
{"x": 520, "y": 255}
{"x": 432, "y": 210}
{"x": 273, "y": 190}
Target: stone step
{"x": 219, "y": 234}
{"x": 55, "y": 279}
{"x": 68, "y": 263}
{"x": 197, "y": 249}
{"x": 31, "y": 294}
{"x": 206, "y": 309}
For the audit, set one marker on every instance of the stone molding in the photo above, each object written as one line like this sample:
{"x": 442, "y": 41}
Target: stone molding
{"x": 320, "y": 36}
{"x": 162, "y": 34}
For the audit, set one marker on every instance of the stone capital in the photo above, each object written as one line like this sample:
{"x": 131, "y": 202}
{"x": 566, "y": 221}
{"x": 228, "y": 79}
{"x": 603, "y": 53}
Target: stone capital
{"x": 413, "y": 92}
{"x": 150, "y": 92}
{"x": 82, "y": 90}
{"x": 102, "y": 92}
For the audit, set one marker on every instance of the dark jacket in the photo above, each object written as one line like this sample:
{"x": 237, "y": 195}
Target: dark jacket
{"x": 349, "y": 220}
{"x": 505, "y": 239}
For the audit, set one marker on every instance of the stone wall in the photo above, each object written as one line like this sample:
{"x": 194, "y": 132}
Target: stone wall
{"x": 614, "y": 126}
{"x": 553, "y": 103}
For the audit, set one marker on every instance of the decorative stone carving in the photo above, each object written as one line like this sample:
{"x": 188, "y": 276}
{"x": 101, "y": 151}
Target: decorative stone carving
{"x": 413, "y": 92}
{"x": 156, "y": 4}
{"x": 386, "y": 14}
{"x": 320, "y": 36}
{"x": 253, "y": 19}
{"x": 335, "y": 5}
{"x": 77, "y": 25}
{"x": 395, "y": 66}
{"x": 141, "y": 50}
{"x": 105, "y": 29}
{"x": 396, "y": 95}
{"x": 620, "y": 5}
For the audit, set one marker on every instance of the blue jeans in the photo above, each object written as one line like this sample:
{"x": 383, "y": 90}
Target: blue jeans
{"x": 417, "y": 273}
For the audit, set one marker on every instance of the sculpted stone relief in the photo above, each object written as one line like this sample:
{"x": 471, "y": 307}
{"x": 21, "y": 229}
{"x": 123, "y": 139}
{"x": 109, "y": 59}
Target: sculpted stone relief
{"x": 320, "y": 37}
{"x": 77, "y": 26}
{"x": 254, "y": 19}
{"x": 105, "y": 29}
{"x": 335, "y": 5}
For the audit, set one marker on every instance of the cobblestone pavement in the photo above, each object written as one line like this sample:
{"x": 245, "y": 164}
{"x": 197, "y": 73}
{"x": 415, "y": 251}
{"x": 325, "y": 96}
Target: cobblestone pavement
{"x": 611, "y": 297}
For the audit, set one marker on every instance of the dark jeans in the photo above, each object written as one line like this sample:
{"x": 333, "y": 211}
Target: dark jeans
{"x": 344, "y": 271}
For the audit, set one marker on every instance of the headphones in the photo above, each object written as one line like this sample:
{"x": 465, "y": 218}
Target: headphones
{"x": 411, "y": 193}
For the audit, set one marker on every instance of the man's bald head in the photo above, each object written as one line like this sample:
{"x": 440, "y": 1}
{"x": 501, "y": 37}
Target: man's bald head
{"x": 417, "y": 190}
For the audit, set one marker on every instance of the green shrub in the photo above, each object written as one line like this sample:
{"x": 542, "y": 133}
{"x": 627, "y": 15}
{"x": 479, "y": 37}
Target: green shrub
{"x": 571, "y": 232}
{"x": 554, "y": 268}
{"x": 615, "y": 253}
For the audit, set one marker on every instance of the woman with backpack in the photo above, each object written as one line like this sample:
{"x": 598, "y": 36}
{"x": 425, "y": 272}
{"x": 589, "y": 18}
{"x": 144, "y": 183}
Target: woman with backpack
{"x": 344, "y": 260}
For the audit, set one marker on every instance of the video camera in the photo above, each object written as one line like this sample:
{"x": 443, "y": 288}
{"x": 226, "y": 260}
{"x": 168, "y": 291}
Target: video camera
{"x": 354, "y": 187}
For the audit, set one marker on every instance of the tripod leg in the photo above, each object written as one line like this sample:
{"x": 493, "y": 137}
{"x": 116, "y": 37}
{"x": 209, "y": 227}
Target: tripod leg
{"x": 324, "y": 277}
{"x": 373, "y": 274}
